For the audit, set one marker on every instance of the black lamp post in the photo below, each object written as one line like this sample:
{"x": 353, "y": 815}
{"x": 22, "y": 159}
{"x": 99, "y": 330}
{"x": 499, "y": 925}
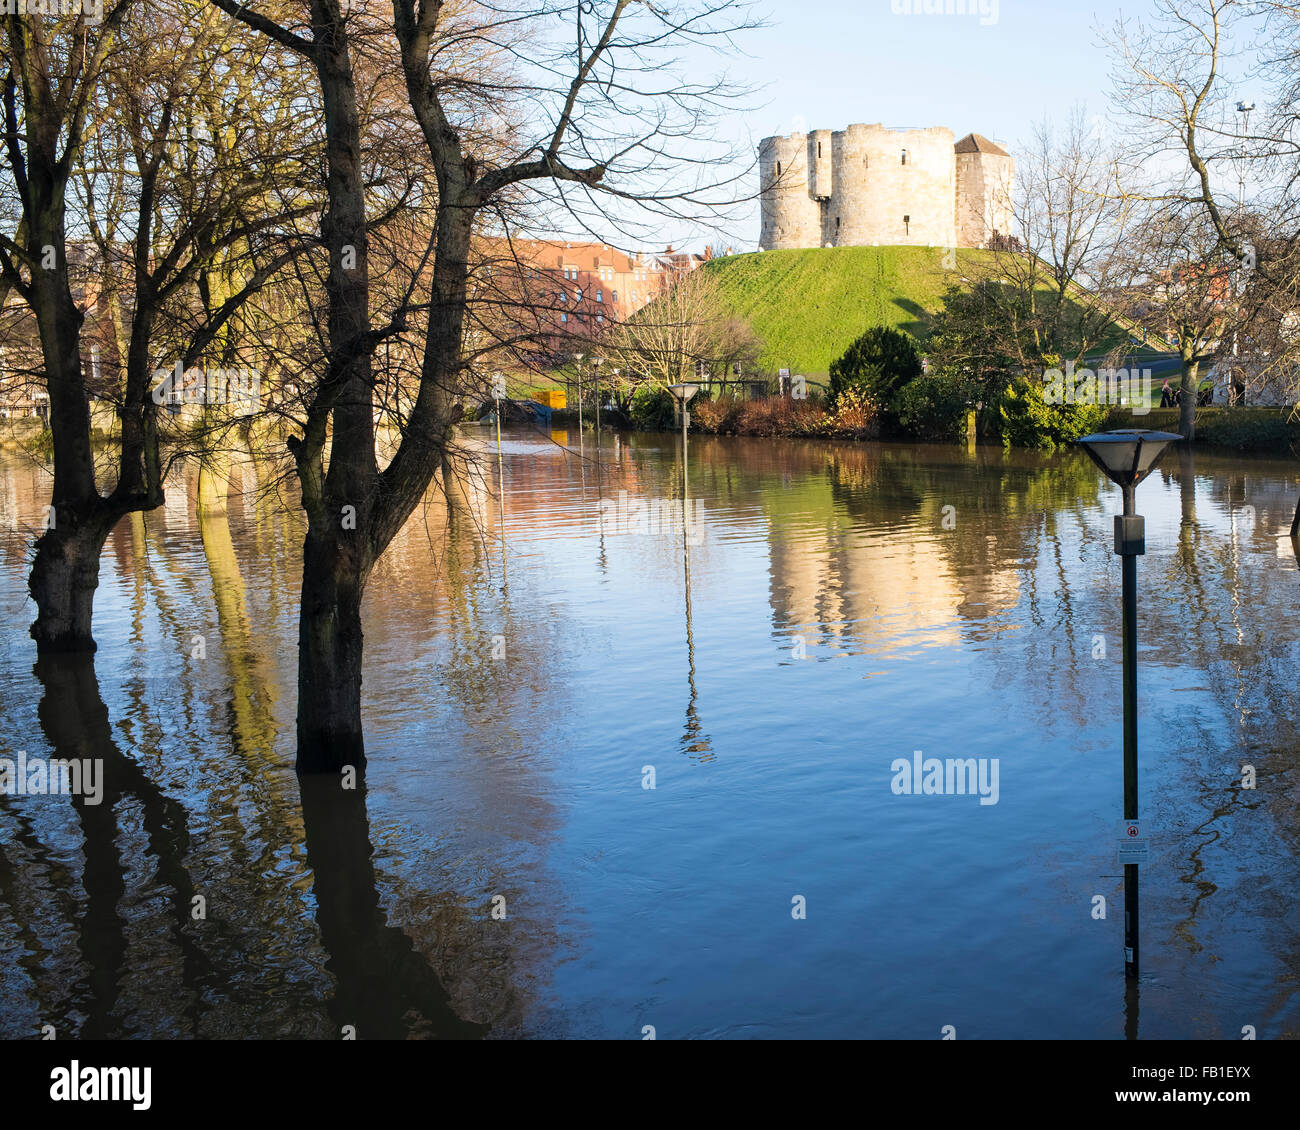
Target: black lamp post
{"x": 578, "y": 358}
{"x": 683, "y": 393}
{"x": 1127, "y": 456}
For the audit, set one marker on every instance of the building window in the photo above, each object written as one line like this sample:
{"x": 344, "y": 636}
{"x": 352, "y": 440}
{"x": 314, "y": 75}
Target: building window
{"x": 837, "y": 223}
{"x": 866, "y": 161}
{"x": 613, "y": 296}
{"x": 778, "y": 168}
{"x": 600, "y": 319}
{"x": 600, "y": 296}
{"x": 578, "y": 297}
{"x": 904, "y": 161}
{"x": 907, "y": 225}
{"x": 819, "y": 150}
{"x": 564, "y": 317}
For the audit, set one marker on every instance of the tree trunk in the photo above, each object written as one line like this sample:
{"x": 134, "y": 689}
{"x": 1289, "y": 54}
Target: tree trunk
{"x": 1187, "y": 409}
{"x": 329, "y": 655}
{"x": 64, "y": 577}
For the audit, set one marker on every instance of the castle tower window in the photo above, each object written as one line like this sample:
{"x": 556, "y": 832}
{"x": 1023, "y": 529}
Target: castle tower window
{"x": 778, "y": 168}
{"x": 819, "y": 149}
{"x": 907, "y": 225}
{"x": 904, "y": 160}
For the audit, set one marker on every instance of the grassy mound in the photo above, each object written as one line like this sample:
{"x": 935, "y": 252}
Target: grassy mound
{"x": 808, "y": 306}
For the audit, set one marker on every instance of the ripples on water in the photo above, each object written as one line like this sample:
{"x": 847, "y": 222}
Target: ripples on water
{"x": 526, "y": 670}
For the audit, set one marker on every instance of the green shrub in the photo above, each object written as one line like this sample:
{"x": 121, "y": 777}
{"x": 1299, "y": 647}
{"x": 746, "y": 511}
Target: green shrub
{"x": 933, "y": 407}
{"x": 652, "y": 409}
{"x": 1246, "y": 429}
{"x": 879, "y": 363}
{"x": 1025, "y": 419}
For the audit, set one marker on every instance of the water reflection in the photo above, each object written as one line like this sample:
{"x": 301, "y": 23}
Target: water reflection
{"x": 385, "y": 988}
{"x": 76, "y": 724}
{"x": 965, "y": 604}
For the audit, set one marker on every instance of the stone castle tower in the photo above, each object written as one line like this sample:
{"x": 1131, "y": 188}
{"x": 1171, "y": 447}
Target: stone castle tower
{"x": 868, "y": 185}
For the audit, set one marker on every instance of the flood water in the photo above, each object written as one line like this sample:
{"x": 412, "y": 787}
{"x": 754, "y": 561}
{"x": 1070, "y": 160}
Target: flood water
{"x": 506, "y": 870}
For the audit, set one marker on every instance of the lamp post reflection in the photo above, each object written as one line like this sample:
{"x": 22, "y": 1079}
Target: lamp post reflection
{"x": 1127, "y": 456}
{"x": 694, "y": 741}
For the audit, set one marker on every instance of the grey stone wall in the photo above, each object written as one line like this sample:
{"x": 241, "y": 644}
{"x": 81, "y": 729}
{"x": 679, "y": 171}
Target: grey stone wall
{"x": 868, "y": 185}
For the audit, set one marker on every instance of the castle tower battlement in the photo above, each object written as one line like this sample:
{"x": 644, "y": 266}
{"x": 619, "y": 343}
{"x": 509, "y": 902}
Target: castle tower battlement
{"x": 871, "y": 185}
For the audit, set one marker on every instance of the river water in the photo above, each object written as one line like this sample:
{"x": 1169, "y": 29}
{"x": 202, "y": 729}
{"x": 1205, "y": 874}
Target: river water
{"x": 630, "y": 770}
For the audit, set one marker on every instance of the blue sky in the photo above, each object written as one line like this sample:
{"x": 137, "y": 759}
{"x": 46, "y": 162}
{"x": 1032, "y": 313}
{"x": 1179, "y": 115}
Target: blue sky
{"x": 827, "y": 63}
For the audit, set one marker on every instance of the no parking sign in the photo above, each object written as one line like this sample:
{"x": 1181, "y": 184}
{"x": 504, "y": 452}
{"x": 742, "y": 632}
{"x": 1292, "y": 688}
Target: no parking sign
{"x": 1133, "y": 846}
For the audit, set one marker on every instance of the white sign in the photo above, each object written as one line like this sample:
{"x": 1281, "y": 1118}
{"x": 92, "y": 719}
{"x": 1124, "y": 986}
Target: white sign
{"x": 1133, "y": 847}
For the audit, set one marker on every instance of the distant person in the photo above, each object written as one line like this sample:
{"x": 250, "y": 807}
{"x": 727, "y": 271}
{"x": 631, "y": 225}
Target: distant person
{"x": 1167, "y": 395}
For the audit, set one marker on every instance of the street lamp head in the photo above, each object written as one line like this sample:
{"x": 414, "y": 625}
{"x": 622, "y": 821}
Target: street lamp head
{"x": 683, "y": 392}
{"x": 1128, "y": 455}
{"x": 1245, "y": 107}
{"x": 579, "y": 356}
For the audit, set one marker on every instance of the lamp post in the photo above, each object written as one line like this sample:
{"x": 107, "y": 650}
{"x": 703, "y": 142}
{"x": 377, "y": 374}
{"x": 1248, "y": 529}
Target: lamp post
{"x": 1244, "y": 109}
{"x": 1127, "y": 456}
{"x": 683, "y": 394}
{"x": 578, "y": 358}
{"x": 498, "y": 394}
{"x": 597, "y": 362}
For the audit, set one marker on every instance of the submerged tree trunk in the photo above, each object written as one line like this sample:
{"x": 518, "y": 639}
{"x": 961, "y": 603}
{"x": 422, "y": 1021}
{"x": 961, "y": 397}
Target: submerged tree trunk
{"x": 64, "y": 577}
{"x": 330, "y": 646}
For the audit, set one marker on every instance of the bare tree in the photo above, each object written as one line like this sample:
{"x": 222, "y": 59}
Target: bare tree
{"x": 1182, "y": 290}
{"x": 689, "y": 327}
{"x": 1070, "y": 232}
{"x": 601, "y": 110}
{"x": 1174, "y": 96}
{"x": 153, "y": 209}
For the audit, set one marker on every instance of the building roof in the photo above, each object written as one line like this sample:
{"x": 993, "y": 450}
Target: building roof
{"x": 552, "y": 254}
{"x": 977, "y": 143}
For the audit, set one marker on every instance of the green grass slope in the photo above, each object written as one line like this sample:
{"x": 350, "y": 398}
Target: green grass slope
{"x": 808, "y": 306}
